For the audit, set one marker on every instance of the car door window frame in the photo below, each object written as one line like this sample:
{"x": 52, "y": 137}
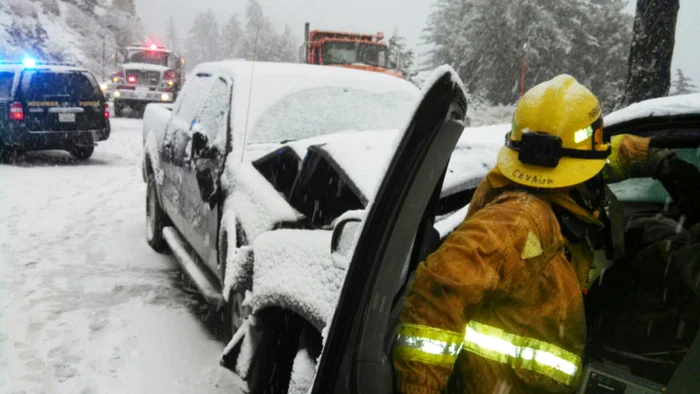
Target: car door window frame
{"x": 353, "y": 358}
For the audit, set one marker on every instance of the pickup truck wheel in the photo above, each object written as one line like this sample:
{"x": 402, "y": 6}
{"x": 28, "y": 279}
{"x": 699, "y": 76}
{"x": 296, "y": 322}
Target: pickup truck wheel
{"x": 278, "y": 334}
{"x": 235, "y": 313}
{"x": 81, "y": 152}
{"x": 155, "y": 218}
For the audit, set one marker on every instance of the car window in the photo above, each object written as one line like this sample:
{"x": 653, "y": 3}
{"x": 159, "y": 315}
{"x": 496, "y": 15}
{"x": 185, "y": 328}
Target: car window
{"x": 331, "y": 109}
{"x": 6, "y": 80}
{"x": 193, "y": 96}
{"x": 69, "y": 85}
{"x": 213, "y": 118}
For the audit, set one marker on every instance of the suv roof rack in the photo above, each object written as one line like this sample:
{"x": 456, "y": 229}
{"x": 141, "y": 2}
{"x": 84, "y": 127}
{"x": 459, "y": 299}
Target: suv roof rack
{"x": 65, "y": 64}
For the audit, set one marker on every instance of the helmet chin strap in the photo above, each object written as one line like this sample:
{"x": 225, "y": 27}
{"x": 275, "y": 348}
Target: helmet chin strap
{"x": 590, "y": 195}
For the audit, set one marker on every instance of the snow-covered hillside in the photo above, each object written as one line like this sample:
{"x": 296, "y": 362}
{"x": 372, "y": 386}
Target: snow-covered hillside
{"x": 67, "y": 30}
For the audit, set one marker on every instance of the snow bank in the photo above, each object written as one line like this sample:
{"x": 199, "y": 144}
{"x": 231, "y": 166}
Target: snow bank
{"x": 294, "y": 269}
{"x": 59, "y": 30}
{"x": 664, "y": 106}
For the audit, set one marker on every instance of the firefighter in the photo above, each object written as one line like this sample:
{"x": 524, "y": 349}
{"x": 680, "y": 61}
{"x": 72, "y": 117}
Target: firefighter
{"x": 499, "y": 306}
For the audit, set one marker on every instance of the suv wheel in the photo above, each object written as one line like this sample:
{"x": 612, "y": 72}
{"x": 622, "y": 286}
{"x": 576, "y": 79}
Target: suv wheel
{"x": 81, "y": 152}
{"x": 155, "y": 218}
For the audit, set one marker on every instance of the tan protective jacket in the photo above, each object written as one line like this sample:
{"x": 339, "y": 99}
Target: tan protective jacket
{"x": 499, "y": 304}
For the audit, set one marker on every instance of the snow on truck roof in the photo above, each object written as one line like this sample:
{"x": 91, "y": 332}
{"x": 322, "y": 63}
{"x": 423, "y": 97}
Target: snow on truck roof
{"x": 270, "y": 84}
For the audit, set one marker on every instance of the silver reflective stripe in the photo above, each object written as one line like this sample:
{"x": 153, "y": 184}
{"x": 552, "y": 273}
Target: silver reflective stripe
{"x": 430, "y": 346}
{"x": 521, "y": 352}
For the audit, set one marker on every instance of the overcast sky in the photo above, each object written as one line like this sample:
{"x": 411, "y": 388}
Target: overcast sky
{"x": 408, "y": 16}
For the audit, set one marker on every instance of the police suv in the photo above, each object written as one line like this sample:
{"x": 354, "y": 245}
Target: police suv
{"x": 51, "y": 106}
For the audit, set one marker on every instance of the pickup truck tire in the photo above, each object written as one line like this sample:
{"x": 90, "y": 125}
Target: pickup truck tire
{"x": 155, "y": 218}
{"x": 277, "y": 332}
{"x": 234, "y": 312}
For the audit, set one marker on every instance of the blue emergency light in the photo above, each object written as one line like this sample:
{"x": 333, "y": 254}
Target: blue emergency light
{"x": 29, "y": 63}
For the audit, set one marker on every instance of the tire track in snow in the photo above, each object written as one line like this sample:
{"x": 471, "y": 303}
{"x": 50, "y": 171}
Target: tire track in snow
{"x": 85, "y": 305}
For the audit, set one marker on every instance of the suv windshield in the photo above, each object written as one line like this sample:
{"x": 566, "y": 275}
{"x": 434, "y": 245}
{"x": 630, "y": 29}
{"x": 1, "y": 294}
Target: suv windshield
{"x": 326, "y": 110}
{"x": 343, "y": 52}
{"x": 69, "y": 86}
{"x": 6, "y": 79}
{"x": 159, "y": 58}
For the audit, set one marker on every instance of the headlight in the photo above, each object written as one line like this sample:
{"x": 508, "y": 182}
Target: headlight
{"x": 166, "y": 97}
{"x": 117, "y": 94}
{"x": 103, "y": 86}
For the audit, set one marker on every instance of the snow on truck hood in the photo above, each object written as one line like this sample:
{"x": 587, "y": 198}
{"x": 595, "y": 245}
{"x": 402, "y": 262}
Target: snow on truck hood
{"x": 363, "y": 157}
{"x": 686, "y": 104}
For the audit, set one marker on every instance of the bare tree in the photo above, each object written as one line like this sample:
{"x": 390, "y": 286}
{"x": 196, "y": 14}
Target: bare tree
{"x": 649, "y": 73}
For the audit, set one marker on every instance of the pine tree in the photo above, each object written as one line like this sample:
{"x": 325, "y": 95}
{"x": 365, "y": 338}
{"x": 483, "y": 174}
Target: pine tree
{"x": 203, "y": 40}
{"x": 682, "y": 85}
{"x": 172, "y": 36}
{"x": 232, "y": 37}
{"x": 262, "y": 42}
{"x": 400, "y": 58}
{"x": 484, "y": 40}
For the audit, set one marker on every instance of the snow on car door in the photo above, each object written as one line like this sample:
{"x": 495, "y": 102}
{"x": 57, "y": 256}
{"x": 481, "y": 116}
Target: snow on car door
{"x": 176, "y": 145}
{"x": 211, "y": 122}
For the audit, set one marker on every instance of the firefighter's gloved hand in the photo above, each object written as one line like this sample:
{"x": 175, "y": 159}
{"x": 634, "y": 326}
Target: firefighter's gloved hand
{"x": 680, "y": 178}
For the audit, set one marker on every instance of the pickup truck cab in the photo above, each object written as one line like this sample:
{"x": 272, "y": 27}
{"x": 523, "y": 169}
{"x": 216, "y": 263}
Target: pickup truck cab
{"x": 51, "y": 106}
{"x": 206, "y": 201}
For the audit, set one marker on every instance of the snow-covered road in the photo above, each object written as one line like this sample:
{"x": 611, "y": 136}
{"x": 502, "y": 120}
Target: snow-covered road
{"x": 86, "y": 305}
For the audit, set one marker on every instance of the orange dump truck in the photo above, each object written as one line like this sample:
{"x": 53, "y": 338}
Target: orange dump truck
{"x": 352, "y": 50}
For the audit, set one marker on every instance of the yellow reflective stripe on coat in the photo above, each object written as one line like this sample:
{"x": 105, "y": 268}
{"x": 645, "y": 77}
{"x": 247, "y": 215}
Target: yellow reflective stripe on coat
{"x": 522, "y": 352}
{"x": 430, "y": 345}
{"x": 427, "y": 345}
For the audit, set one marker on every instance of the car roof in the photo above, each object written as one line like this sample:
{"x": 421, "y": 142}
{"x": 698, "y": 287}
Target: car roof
{"x": 686, "y": 104}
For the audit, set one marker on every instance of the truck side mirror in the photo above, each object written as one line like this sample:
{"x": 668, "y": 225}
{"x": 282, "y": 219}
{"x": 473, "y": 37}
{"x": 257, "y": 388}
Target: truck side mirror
{"x": 200, "y": 142}
{"x": 344, "y": 239}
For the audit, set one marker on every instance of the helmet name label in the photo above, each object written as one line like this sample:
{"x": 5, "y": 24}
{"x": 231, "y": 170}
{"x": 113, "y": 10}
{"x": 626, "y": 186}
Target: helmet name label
{"x": 595, "y": 112}
{"x": 537, "y": 180}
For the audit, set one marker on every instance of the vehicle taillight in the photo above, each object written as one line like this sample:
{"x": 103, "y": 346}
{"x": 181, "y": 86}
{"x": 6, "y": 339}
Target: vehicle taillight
{"x": 169, "y": 75}
{"x": 106, "y": 111}
{"x": 131, "y": 79}
{"x": 16, "y": 111}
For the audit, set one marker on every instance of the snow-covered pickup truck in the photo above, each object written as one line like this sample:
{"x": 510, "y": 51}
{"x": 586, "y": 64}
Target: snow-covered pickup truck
{"x": 206, "y": 200}
{"x": 643, "y": 321}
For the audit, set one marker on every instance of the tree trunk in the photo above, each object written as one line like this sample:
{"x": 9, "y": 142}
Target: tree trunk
{"x": 649, "y": 74}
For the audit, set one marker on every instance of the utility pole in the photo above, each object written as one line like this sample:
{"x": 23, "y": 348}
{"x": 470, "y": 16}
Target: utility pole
{"x": 522, "y": 73}
{"x": 103, "y": 61}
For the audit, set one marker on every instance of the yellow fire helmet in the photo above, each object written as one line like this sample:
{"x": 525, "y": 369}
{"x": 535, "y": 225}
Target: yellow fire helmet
{"x": 557, "y": 136}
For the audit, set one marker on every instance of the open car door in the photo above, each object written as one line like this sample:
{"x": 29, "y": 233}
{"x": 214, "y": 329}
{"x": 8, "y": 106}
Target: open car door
{"x": 356, "y": 357}
{"x": 396, "y": 235}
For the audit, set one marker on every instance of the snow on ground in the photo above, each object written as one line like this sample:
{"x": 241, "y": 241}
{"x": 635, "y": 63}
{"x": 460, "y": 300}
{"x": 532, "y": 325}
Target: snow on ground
{"x": 85, "y": 305}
